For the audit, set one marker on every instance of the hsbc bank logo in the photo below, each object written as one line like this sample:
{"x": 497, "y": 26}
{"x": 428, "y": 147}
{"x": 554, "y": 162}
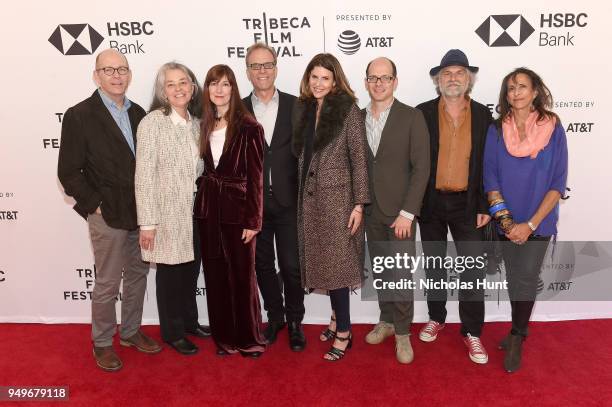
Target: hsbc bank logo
{"x": 76, "y": 39}
{"x": 506, "y": 30}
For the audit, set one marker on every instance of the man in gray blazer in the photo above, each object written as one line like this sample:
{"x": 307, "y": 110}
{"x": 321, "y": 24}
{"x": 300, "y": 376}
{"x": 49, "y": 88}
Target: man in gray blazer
{"x": 96, "y": 167}
{"x": 399, "y": 171}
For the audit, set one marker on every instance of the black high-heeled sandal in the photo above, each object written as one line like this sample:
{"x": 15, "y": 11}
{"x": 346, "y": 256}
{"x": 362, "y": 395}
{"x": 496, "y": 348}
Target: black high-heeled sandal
{"x": 328, "y": 333}
{"x": 335, "y": 353}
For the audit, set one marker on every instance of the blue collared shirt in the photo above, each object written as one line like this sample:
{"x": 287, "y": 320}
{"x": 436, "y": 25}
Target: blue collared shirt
{"x": 120, "y": 114}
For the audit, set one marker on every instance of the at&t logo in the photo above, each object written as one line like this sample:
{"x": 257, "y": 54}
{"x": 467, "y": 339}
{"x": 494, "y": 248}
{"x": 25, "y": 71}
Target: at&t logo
{"x": 349, "y": 42}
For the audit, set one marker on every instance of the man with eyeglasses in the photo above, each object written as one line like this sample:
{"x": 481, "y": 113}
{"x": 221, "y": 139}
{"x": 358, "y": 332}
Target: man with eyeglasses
{"x": 455, "y": 198}
{"x": 96, "y": 167}
{"x": 399, "y": 170}
{"x": 273, "y": 110}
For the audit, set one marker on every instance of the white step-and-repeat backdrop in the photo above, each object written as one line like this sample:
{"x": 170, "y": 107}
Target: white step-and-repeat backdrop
{"x": 46, "y": 262}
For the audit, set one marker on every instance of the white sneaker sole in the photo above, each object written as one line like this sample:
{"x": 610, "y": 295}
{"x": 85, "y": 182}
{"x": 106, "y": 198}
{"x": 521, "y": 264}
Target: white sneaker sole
{"x": 427, "y": 338}
{"x": 479, "y": 361}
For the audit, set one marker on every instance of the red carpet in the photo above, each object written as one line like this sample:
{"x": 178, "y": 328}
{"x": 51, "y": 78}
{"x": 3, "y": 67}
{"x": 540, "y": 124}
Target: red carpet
{"x": 565, "y": 364}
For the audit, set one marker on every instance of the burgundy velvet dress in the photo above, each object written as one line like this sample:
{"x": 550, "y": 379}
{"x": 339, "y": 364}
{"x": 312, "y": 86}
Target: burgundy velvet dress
{"x": 229, "y": 200}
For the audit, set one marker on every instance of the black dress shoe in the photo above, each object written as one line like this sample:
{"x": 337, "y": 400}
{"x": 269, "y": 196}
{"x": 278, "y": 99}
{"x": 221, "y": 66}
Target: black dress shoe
{"x": 272, "y": 330}
{"x": 297, "y": 340}
{"x": 252, "y": 355}
{"x": 201, "y": 331}
{"x": 184, "y": 346}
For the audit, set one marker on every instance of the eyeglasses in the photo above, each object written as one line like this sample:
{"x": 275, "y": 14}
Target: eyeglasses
{"x": 110, "y": 71}
{"x": 384, "y": 79}
{"x": 266, "y": 65}
{"x": 172, "y": 86}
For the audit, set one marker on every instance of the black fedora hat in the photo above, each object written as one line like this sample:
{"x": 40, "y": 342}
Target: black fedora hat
{"x": 451, "y": 58}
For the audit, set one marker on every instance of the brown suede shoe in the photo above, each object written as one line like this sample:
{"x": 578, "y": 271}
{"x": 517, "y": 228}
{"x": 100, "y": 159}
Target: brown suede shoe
{"x": 107, "y": 359}
{"x": 141, "y": 342}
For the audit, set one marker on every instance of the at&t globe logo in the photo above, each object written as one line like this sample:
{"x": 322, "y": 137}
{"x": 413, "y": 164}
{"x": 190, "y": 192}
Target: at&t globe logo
{"x": 349, "y": 42}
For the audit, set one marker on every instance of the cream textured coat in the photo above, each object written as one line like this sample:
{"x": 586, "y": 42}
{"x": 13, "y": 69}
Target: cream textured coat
{"x": 164, "y": 184}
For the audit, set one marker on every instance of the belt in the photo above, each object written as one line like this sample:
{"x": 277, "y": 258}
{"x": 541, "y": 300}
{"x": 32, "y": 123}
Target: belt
{"x": 445, "y": 192}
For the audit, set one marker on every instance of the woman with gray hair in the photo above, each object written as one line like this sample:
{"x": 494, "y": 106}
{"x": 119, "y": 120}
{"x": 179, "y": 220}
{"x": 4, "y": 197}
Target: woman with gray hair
{"x": 167, "y": 165}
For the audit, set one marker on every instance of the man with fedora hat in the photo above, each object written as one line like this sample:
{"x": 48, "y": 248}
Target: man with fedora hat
{"x": 454, "y": 199}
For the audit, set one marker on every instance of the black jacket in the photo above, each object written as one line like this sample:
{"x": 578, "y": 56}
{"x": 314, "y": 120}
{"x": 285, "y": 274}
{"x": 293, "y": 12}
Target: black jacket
{"x": 476, "y": 199}
{"x": 278, "y": 157}
{"x": 96, "y": 165}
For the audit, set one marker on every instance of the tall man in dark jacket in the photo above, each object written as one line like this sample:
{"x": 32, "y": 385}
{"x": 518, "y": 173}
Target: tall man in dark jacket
{"x": 454, "y": 198}
{"x": 96, "y": 167}
{"x": 273, "y": 110}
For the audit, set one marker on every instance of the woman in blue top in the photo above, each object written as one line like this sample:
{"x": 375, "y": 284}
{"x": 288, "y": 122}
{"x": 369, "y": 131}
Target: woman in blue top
{"x": 525, "y": 172}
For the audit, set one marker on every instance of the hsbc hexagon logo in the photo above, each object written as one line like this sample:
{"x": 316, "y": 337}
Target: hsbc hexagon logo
{"x": 507, "y": 30}
{"x": 76, "y": 39}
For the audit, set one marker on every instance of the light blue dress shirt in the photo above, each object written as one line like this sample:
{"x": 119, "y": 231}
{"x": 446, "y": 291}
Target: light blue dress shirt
{"x": 121, "y": 117}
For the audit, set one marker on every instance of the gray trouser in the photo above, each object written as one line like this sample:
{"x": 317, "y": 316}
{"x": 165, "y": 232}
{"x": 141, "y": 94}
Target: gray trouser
{"x": 116, "y": 250}
{"x": 396, "y": 308}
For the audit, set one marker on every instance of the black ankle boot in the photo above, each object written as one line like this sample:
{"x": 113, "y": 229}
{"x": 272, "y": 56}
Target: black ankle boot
{"x": 503, "y": 344}
{"x": 512, "y": 360}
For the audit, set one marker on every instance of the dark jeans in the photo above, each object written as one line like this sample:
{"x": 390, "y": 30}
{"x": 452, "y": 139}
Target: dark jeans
{"x": 523, "y": 265}
{"x": 340, "y": 303}
{"x": 449, "y": 213}
{"x": 281, "y": 223}
{"x": 176, "y": 286}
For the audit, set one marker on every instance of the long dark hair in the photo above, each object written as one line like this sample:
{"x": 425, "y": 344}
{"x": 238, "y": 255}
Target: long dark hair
{"x": 160, "y": 101}
{"x": 331, "y": 63}
{"x": 542, "y": 103}
{"x": 234, "y": 115}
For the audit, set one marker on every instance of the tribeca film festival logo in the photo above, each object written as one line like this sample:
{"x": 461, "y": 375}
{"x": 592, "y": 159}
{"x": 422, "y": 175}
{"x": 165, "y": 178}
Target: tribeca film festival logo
{"x": 277, "y": 32}
{"x": 53, "y": 143}
{"x": 88, "y": 275}
{"x": 83, "y": 39}
{"x": 512, "y": 30}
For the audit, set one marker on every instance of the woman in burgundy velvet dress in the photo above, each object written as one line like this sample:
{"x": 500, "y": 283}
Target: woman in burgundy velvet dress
{"x": 228, "y": 207}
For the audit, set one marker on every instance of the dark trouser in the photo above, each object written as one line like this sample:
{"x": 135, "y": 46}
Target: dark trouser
{"x": 449, "y": 213}
{"x": 234, "y": 311}
{"x": 397, "y": 307}
{"x": 176, "y": 295}
{"x": 279, "y": 222}
{"x": 340, "y": 303}
{"x": 523, "y": 264}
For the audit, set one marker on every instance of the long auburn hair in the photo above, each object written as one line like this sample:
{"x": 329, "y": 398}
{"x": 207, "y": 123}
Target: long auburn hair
{"x": 331, "y": 63}
{"x": 235, "y": 114}
{"x": 542, "y": 103}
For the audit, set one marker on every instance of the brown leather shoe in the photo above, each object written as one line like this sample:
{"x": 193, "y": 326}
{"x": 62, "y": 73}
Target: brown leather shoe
{"x": 141, "y": 342}
{"x": 107, "y": 359}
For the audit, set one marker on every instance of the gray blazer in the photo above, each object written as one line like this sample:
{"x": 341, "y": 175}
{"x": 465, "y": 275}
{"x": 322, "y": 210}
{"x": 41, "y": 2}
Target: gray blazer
{"x": 164, "y": 184}
{"x": 400, "y": 170}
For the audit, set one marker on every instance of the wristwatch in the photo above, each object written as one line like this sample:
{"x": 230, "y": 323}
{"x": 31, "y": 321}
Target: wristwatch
{"x": 531, "y": 226}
